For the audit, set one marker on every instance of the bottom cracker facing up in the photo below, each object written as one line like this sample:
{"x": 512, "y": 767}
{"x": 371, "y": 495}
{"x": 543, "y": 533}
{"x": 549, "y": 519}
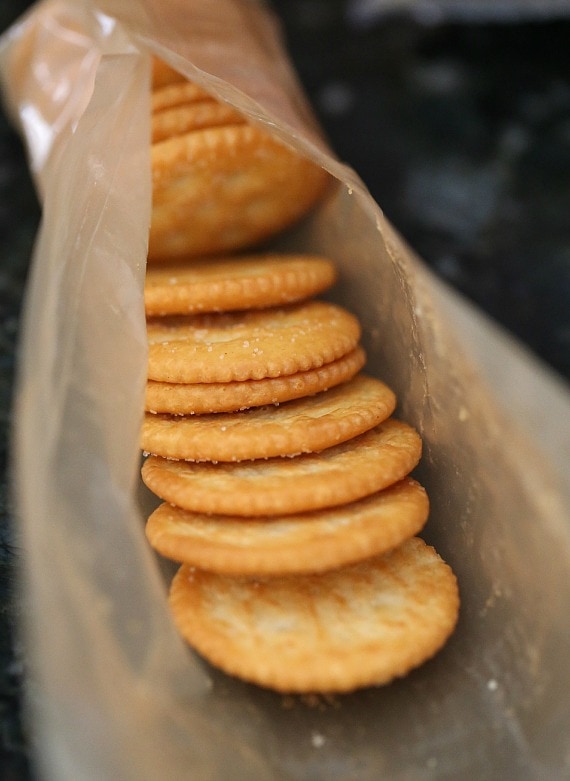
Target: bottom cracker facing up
{"x": 359, "y": 626}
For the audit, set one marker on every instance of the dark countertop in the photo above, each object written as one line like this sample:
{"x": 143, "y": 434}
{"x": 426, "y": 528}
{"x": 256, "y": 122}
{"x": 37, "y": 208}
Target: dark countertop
{"x": 19, "y": 215}
{"x": 461, "y": 132}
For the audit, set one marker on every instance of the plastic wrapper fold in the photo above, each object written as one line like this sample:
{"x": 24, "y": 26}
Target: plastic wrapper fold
{"x": 113, "y": 691}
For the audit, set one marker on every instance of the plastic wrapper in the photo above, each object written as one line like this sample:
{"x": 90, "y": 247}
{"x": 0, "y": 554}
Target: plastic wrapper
{"x": 113, "y": 692}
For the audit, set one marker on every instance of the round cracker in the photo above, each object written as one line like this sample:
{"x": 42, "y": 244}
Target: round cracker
{"x": 242, "y": 282}
{"x": 306, "y": 542}
{"x": 307, "y": 425}
{"x": 201, "y": 398}
{"x": 250, "y": 345}
{"x": 283, "y": 486}
{"x": 362, "y": 625}
{"x": 176, "y": 93}
{"x": 196, "y": 115}
{"x": 225, "y": 188}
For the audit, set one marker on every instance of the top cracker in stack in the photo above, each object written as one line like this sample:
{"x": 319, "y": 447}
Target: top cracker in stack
{"x": 285, "y": 476}
{"x": 219, "y": 183}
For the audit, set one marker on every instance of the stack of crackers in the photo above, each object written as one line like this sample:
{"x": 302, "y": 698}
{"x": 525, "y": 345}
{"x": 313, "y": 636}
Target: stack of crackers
{"x": 285, "y": 477}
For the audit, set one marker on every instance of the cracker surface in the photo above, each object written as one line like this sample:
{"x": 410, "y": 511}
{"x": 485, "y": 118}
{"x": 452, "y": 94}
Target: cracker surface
{"x": 307, "y": 425}
{"x": 241, "y": 282}
{"x": 226, "y": 188}
{"x": 162, "y": 74}
{"x": 195, "y": 115}
{"x": 201, "y": 398}
{"x": 361, "y": 625}
{"x": 279, "y": 545}
{"x": 174, "y": 90}
{"x": 349, "y": 471}
{"x": 249, "y": 345}
{"x": 286, "y": 483}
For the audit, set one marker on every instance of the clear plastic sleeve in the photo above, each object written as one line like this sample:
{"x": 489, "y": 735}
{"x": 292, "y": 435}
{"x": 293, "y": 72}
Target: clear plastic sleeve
{"x": 113, "y": 692}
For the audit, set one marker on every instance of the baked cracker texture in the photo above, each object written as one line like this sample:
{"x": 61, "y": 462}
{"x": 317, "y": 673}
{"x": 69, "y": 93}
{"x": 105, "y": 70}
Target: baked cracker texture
{"x": 291, "y": 544}
{"x": 195, "y": 115}
{"x": 285, "y": 479}
{"x": 307, "y": 425}
{"x": 175, "y": 93}
{"x": 226, "y": 188}
{"x": 222, "y": 284}
{"x": 250, "y": 345}
{"x": 274, "y": 486}
{"x": 202, "y": 398}
{"x": 362, "y": 625}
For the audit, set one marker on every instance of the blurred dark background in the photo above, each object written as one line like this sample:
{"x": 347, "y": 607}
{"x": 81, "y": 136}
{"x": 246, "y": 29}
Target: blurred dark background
{"x": 459, "y": 124}
{"x": 462, "y": 133}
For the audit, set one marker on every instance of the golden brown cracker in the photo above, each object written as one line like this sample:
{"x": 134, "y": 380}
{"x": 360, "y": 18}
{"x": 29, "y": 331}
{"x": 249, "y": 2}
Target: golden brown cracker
{"x": 201, "y": 398}
{"x": 241, "y": 282}
{"x": 357, "y": 626}
{"x": 163, "y": 74}
{"x": 226, "y": 188}
{"x": 307, "y": 425}
{"x": 279, "y": 545}
{"x": 249, "y": 345}
{"x": 176, "y": 93}
{"x": 196, "y": 115}
{"x": 350, "y": 471}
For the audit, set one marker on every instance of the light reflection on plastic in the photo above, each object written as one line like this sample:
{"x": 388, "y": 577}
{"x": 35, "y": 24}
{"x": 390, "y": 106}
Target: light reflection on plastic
{"x": 106, "y": 23}
{"x": 39, "y": 134}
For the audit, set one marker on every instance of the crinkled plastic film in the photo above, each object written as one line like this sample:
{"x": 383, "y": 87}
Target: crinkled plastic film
{"x": 113, "y": 692}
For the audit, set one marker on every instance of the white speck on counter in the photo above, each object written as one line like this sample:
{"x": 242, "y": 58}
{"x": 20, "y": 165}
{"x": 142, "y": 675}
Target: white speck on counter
{"x": 492, "y": 685}
{"x": 318, "y": 740}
